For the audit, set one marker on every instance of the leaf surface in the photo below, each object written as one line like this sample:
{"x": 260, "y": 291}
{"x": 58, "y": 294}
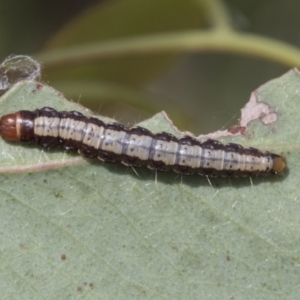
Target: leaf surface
{"x": 72, "y": 228}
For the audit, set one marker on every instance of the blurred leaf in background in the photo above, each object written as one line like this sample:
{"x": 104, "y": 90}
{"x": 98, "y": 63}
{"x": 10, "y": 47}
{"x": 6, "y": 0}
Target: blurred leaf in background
{"x": 201, "y": 92}
{"x": 111, "y": 80}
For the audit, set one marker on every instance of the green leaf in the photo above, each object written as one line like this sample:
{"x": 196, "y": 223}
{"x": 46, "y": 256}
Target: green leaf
{"x": 122, "y": 20}
{"x": 98, "y": 231}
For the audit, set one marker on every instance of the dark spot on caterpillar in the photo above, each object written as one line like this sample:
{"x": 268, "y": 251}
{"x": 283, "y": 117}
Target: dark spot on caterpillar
{"x": 114, "y": 142}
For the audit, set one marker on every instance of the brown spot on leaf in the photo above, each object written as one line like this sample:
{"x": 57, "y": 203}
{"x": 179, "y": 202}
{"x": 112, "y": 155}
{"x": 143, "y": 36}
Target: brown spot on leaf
{"x": 39, "y": 86}
{"x": 237, "y": 129}
{"x": 23, "y": 247}
{"x": 63, "y": 257}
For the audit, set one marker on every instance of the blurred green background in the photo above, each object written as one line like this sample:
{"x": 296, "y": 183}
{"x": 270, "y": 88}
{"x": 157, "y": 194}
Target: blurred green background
{"x": 201, "y": 91}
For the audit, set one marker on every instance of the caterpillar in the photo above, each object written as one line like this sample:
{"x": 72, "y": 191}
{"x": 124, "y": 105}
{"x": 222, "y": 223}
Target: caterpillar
{"x": 136, "y": 146}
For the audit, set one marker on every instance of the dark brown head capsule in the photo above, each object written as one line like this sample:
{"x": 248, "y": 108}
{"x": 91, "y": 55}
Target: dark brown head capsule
{"x": 18, "y": 126}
